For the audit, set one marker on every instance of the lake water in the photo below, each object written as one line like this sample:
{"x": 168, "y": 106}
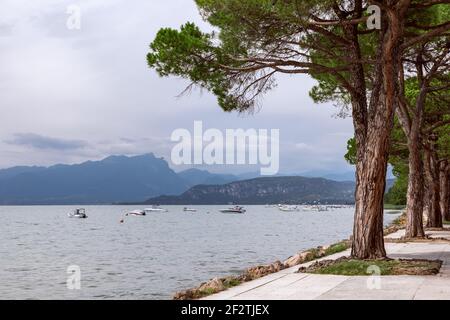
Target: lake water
{"x": 149, "y": 257}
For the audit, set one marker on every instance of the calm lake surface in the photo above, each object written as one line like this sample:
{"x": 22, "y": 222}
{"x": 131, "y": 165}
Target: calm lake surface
{"x": 149, "y": 257}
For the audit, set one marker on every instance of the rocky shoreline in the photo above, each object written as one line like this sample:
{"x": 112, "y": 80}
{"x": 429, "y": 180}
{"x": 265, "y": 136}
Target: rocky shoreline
{"x": 220, "y": 284}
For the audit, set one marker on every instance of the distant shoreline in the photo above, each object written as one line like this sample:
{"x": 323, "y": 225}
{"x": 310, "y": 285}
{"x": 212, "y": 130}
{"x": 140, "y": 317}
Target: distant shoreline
{"x": 386, "y": 206}
{"x": 162, "y": 204}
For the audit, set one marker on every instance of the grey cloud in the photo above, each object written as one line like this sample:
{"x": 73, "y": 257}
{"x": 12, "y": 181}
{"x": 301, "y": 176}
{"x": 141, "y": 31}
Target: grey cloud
{"x": 5, "y": 30}
{"x": 42, "y": 142}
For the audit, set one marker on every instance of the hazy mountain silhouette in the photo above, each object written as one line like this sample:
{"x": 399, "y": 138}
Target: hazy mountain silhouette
{"x": 271, "y": 190}
{"x": 195, "y": 176}
{"x": 120, "y": 179}
{"x": 114, "y": 179}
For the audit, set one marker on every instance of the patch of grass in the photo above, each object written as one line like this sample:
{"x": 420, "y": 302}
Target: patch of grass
{"x": 335, "y": 248}
{"x": 353, "y": 267}
{"x": 204, "y": 293}
{"x": 316, "y": 253}
{"x": 445, "y": 222}
{"x": 356, "y": 267}
{"x": 232, "y": 282}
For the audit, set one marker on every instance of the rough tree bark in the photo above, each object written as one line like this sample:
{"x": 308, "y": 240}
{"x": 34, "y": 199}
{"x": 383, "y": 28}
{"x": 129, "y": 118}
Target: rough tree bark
{"x": 432, "y": 176}
{"x": 372, "y": 146}
{"x": 368, "y": 242}
{"x": 444, "y": 171}
{"x": 414, "y": 196}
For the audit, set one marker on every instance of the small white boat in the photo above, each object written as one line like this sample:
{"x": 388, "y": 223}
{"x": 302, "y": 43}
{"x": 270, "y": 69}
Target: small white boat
{"x": 185, "y": 209}
{"x": 155, "y": 209}
{"x": 136, "y": 213}
{"x": 287, "y": 208}
{"x": 78, "y": 213}
{"x": 236, "y": 209}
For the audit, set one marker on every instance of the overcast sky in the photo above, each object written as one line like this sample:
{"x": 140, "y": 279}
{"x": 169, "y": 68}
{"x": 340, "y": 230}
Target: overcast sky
{"x": 73, "y": 95}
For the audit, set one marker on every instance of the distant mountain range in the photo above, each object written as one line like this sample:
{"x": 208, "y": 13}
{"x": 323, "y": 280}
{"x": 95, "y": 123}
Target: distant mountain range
{"x": 270, "y": 190}
{"x": 111, "y": 180}
{"x": 195, "y": 176}
{"x": 119, "y": 179}
{"x": 342, "y": 176}
{"x": 116, "y": 178}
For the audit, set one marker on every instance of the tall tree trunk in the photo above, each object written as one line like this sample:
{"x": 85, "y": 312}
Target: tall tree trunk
{"x": 414, "y": 196}
{"x": 447, "y": 214}
{"x": 412, "y": 128}
{"x": 372, "y": 132}
{"x": 444, "y": 171}
{"x": 371, "y": 163}
{"x": 368, "y": 241}
{"x": 431, "y": 171}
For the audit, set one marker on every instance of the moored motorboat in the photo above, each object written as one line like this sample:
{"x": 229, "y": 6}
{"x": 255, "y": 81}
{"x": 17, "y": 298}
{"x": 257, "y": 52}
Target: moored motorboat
{"x": 236, "y": 209}
{"x": 287, "y": 208}
{"x": 136, "y": 213}
{"x": 78, "y": 213}
{"x": 155, "y": 209}
{"x": 185, "y": 209}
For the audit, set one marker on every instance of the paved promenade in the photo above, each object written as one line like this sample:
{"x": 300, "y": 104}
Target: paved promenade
{"x": 289, "y": 285}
